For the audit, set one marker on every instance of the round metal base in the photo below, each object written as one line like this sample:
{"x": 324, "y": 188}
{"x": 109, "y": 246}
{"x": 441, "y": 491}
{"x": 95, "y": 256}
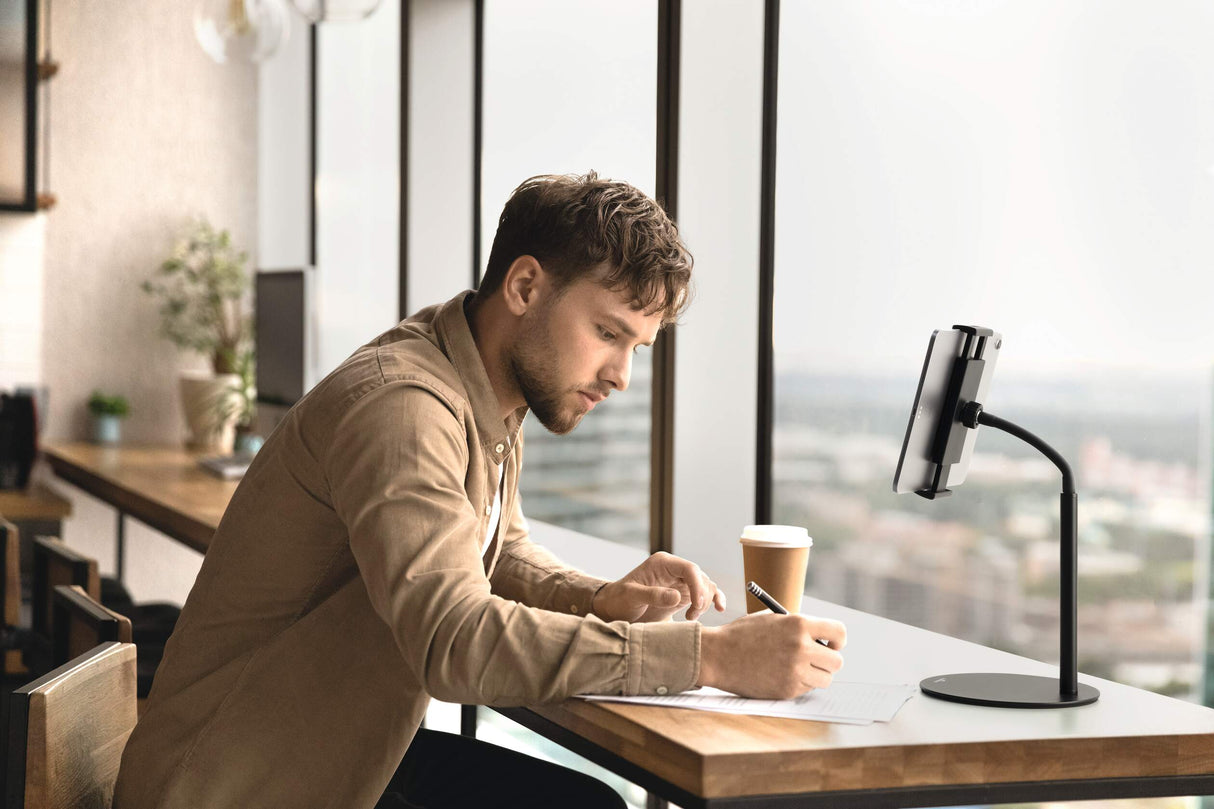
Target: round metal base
{"x": 1006, "y": 690}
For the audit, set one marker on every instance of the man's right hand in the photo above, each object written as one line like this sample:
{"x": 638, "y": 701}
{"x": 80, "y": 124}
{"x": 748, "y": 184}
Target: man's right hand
{"x": 771, "y": 656}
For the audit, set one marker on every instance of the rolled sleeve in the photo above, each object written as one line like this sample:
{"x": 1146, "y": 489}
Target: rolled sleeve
{"x": 531, "y": 574}
{"x": 663, "y": 657}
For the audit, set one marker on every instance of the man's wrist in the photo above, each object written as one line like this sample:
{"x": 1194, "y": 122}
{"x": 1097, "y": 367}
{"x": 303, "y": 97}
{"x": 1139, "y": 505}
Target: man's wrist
{"x": 594, "y": 602}
{"x": 710, "y": 650}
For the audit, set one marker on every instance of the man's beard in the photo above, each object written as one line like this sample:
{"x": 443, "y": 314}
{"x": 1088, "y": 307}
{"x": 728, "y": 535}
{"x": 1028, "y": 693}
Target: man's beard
{"x": 533, "y": 364}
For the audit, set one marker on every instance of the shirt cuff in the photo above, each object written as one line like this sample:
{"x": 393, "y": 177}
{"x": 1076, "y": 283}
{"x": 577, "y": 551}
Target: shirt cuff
{"x": 663, "y": 657}
{"x": 577, "y": 593}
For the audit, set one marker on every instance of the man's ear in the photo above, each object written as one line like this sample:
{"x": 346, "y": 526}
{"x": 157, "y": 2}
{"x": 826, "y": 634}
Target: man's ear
{"x": 524, "y": 284}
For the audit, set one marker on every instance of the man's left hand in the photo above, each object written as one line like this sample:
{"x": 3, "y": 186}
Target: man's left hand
{"x": 658, "y": 588}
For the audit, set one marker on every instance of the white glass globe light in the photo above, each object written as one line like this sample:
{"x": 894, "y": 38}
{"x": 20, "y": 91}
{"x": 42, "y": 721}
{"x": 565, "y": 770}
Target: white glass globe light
{"x": 241, "y": 30}
{"x": 336, "y": 10}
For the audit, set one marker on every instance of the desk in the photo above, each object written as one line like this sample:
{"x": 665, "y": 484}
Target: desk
{"x": 37, "y": 507}
{"x": 36, "y": 511}
{"x": 1130, "y": 743}
{"x": 161, "y": 486}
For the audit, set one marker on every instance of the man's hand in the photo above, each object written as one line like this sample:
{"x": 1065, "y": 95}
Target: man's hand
{"x": 658, "y": 588}
{"x": 771, "y": 656}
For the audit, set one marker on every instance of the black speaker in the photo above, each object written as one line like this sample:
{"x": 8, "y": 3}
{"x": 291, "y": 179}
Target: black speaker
{"x": 18, "y": 439}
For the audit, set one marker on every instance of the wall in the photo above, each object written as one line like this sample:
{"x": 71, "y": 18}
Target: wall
{"x": 146, "y": 131}
{"x": 22, "y": 242}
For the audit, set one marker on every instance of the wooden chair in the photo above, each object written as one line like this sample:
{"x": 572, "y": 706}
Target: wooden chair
{"x": 54, "y": 564}
{"x": 67, "y": 731}
{"x": 15, "y": 639}
{"x": 10, "y": 597}
{"x": 79, "y": 623}
{"x": 10, "y": 584}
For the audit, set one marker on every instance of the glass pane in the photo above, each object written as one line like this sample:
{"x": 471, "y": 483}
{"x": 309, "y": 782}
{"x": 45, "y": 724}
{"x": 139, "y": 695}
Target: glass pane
{"x": 1042, "y": 169}
{"x": 570, "y": 87}
{"x": 12, "y": 102}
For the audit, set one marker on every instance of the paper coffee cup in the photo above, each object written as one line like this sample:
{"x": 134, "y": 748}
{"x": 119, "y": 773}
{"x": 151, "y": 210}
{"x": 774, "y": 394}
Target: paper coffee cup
{"x": 775, "y": 557}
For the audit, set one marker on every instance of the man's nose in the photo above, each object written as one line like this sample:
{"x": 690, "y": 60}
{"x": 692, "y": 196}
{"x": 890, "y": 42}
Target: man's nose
{"x": 619, "y": 372}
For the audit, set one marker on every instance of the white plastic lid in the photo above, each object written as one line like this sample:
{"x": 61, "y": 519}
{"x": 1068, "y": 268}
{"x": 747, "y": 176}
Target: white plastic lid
{"x": 777, "y": 536}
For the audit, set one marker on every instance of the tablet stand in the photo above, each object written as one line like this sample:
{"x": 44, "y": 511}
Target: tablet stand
{"x": 1010, "y": 690}
{"x": 1022, "y": 690}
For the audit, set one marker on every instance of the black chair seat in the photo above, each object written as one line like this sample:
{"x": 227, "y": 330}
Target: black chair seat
{"x": 151, "y": 623}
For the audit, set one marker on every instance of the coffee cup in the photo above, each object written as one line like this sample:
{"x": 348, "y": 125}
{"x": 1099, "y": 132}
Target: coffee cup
{"x": 776, "y": 557}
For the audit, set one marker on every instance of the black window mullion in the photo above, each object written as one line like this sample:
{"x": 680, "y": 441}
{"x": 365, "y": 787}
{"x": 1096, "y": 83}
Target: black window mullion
{"x": 661, "y": 449}
{"x": 478, "y": 130}
{"x": 767, "y": 244}
{"x": 402, "y": 306}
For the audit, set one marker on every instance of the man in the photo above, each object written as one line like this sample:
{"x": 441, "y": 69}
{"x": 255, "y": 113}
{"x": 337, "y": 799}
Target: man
{"x": 375, "y": 554}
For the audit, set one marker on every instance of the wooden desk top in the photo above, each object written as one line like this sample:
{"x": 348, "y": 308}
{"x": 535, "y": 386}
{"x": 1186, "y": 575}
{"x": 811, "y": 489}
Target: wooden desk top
{"x": 35, "y": 503}
{"x": 161, "y": 486}
{"x": 1127, "y": 733}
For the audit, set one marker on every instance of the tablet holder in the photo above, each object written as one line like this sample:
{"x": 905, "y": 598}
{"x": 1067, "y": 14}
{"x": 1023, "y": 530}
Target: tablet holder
{"x": 959, "y": 414}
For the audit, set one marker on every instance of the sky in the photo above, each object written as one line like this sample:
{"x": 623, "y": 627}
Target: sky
{"x": 598, "y": 111}
{"x": 1044, "y": 169}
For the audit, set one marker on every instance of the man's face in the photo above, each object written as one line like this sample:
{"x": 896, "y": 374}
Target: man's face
{"x": 576, "y": 349}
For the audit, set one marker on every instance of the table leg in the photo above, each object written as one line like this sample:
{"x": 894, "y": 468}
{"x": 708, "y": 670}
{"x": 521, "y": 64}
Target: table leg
{"x": 467, "y": 721}
{"x": 120, "y": 545}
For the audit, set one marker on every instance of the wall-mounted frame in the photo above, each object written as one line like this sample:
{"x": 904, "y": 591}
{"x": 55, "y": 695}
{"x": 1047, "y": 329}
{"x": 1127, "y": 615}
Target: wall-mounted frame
{"x": 18, "y": 104}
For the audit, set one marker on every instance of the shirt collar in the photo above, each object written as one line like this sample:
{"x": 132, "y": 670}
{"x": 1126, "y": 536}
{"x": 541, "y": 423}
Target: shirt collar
{"x": 497, "y": 436}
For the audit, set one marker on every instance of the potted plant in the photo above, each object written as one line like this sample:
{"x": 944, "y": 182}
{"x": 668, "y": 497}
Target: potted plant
{"x": 244, "y": 405}
{"x": 202, "y": 289}
{"x": 107, "y": 414}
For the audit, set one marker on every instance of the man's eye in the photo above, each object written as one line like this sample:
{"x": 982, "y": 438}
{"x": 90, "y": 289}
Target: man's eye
{"x": 606, "y": 335}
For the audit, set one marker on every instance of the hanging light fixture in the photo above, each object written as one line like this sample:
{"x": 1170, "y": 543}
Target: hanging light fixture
{"x": 336, "y": 10}
{"x": 240, "y": 30}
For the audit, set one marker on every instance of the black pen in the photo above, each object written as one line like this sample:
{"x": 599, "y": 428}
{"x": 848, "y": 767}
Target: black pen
{"x": 773, "y": 605}
{"x": 769, "y": 602}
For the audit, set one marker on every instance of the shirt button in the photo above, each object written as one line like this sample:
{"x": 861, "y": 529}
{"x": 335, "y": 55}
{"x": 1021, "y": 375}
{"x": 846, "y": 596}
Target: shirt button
{"x": 661, "y": 689}
{"x": 488, "y": 509}
{"x": 499, "y": 448}
{"x": 573, "y": 607}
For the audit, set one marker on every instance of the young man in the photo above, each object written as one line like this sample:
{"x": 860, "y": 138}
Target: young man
{"x": 375, "y": 555}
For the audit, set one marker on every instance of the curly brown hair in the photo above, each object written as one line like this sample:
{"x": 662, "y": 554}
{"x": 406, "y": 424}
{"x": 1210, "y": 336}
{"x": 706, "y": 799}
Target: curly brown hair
{"x": 572, "y": 225}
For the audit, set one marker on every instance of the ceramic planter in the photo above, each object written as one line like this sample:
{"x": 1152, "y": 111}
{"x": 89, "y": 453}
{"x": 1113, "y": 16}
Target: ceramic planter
{"x": 212, "y": 406}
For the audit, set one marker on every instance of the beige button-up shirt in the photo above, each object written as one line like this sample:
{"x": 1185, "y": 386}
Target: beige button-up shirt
{"x": 346, "y": 585}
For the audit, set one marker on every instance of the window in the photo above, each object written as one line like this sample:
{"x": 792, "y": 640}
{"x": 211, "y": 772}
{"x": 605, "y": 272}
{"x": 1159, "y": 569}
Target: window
{"x": 1043, "y": 170}
{"x": 570, "y": 87}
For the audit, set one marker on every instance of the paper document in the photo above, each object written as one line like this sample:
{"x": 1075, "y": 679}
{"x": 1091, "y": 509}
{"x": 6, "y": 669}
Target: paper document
{"x": 844, "y": 702}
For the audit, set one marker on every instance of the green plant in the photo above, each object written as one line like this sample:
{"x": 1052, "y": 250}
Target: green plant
{"x": 243, "y": 403}
{"x": 202, "y": 288}
{"x": 102, "y": 405}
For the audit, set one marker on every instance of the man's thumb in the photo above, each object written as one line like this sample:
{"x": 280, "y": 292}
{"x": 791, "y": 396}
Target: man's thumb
{"x": 665, "y": 596}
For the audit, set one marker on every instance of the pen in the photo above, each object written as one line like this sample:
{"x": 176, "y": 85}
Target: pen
{"x": 769, "y": 602}
{"x": 773, "y": 605}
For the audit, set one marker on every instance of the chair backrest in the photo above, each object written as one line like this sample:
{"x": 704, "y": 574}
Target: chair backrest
{"x": 67, "y": 731}
{"x": 79, "y": 623}
{"x": 10, "y": 595}
{"x": 10, "y": 582}
{"x": 55, "y": 563}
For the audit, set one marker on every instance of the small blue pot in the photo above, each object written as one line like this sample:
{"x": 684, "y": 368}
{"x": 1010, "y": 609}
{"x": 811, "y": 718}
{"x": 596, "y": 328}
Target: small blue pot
{"x": 107, "y": 429}
{"x": 248, "y": 443}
